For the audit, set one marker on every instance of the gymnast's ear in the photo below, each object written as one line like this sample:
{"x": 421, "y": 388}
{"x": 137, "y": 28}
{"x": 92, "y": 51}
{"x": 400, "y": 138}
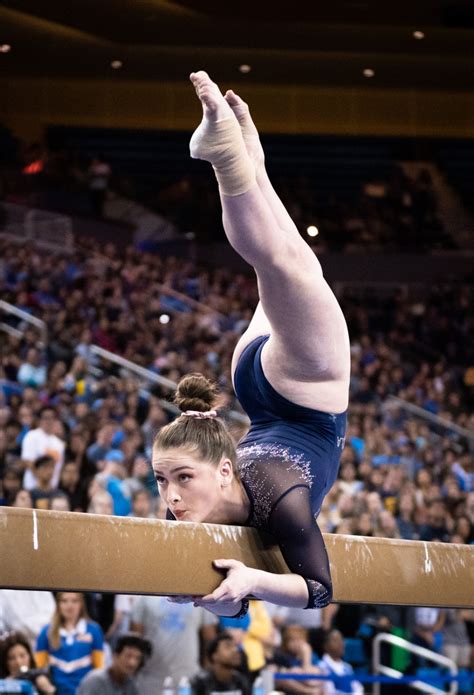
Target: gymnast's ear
{"x": 226, "y": 471}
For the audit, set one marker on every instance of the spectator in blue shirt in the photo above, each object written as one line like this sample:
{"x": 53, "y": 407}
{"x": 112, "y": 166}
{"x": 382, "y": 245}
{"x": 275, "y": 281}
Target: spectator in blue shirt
{"x": 71, "y": 645}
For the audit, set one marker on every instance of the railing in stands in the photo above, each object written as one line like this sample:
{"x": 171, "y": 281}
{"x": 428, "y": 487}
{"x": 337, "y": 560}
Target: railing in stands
{"x": 27, "y": 318}
{"x": 149, "y": 376}
{"x": 439, "y": 659}
{"x": 45, "y": 229}
{"x": 440, "y": 422}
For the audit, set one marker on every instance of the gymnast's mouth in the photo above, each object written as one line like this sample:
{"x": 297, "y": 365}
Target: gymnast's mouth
{"x": 179, "y": 513}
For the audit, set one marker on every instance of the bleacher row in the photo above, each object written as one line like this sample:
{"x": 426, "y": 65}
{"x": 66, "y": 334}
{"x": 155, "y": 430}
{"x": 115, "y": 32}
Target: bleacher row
{"x": 334, "y": 165}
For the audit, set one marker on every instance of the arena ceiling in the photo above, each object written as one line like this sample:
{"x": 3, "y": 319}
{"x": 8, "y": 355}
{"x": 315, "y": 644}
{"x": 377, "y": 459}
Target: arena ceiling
{"x": 312, "y": 43}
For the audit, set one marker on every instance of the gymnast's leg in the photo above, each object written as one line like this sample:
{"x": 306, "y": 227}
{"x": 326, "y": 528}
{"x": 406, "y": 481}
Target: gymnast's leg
{"x": 307, "y": 356}
{"x": 257, "y": 155}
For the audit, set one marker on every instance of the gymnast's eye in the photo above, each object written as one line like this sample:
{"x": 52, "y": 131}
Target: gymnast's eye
{"x": 160, "y": 480}
{"x": 184, "y": 477}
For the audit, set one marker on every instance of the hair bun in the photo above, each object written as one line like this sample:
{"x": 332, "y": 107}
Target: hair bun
{"x": 195, "y": 392}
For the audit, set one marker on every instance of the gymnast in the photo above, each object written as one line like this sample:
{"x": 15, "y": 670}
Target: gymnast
{"x": 291, "y": 375}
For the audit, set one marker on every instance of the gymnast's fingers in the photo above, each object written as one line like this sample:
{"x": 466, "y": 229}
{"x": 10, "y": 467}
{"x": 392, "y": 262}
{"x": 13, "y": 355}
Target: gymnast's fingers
{"x": 226, "y": 564}
{"x": 219, "y": 594}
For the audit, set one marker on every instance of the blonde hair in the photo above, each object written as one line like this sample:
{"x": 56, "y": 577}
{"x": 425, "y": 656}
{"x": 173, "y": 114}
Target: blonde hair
{"x": 207, "y": 436}
{"x": 57, "y": 620}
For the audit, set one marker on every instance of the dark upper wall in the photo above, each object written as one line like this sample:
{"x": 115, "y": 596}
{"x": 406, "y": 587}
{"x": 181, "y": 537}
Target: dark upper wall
{"x": 28, "y": 105}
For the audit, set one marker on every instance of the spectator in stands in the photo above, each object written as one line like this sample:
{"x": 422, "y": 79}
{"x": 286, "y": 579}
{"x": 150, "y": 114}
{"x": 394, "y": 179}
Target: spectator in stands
{"x": 333, "y": 664}
{"x": 11, "y": 482}
{"x": 42, "y": 441}
{"x": 435, "y": 528}
{"x": 43, "y": 493}
{"x": 258, "y": 636}
{"x": 60, "y": 502}
{"x": 312, "y": 621}
{"x": 470, "y": 506}
{"x": 141, "y": 477}
{"x": 427, "y": 627}
{"x": 101, "y": 503}
{"x": 142, "y": 505}
{"x": 387, "y": 525}
{"x": 129, "y": 656}
{"x": 464, "y": 471}
{"x": 464, "y": 529}
{"x": 17, "y": 663}
{"x": 112, "y": 480}
{"x": 70, "y": 644}
{"x": 363, "y": 525}
{"x": 78, "y": 439}
{"x": 31, "y": 371}
{"x": 296, "y": 656}
{"x": 221, "y": 673}
{"x": 72, "y": 486}
{"x": 174, "y": 630}
{"x": 23, "y": 499}
{"x": 455, "y": 638}
{"x": 405, "y": 517}
{"x": 295, "y": 649}
{"x": 3, "y": 449}
{"x": 83, "y": 348}
{"x": 122, "y": 609}
{"x": 99, "y": 173}
{"x": 99, "y": 449}
{"x": 348, "y": 479}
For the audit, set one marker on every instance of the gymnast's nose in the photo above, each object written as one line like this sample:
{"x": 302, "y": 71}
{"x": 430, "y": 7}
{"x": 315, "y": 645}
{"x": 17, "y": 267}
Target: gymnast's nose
{"x": 173, "y": 495}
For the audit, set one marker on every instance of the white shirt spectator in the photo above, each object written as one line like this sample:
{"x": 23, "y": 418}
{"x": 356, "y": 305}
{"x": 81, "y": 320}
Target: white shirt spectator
{"x": 426, "y": 617}
{"x": 37, "y": 443}
{"x": 173, "y": 630}
{"x": 31, "y": 375}
{"x": 26, "y": 611}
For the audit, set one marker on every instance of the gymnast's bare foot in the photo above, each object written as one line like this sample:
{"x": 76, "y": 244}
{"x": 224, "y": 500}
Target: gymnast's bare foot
{"x": 249, "y": 131}
{"x": 214, "y": 106}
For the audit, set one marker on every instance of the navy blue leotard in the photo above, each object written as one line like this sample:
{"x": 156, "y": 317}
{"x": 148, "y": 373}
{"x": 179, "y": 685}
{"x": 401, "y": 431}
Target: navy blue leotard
{"x": 288, "y": 461}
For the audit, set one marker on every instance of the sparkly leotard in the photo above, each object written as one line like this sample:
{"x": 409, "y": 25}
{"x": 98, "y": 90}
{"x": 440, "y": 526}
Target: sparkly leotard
{"x": 288, "y": 461}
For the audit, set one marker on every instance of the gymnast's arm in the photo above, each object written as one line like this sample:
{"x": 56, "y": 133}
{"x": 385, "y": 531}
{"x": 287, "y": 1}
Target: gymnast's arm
{"x": 294, "y": 527}
{"x": 308, "y": 586}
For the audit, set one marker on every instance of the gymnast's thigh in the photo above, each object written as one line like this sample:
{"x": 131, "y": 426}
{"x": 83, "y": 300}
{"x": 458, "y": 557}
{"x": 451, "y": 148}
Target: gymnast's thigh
{"x": 258, "y": 326}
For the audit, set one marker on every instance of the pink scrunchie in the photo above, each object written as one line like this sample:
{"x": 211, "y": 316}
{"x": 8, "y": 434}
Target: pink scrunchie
{"x": 200, "y": 414}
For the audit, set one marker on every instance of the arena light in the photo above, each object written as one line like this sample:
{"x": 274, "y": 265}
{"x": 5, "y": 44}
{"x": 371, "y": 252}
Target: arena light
{"x": 368, "y": 72}
{"x": 164, "y": 318}
{"x": 116, "y": 64}
{"x": 244, "y": 68}
{"x": 312, "y": 230}
{"x": 419, "y": 35}
{"x": 5, "y": 48}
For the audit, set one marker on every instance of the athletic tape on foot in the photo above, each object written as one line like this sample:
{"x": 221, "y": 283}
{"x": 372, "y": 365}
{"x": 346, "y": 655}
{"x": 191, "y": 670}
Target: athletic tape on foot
{"x": 221, "y": 143}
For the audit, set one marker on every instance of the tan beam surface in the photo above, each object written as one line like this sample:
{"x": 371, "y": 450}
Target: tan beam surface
{"x": 87, "y": 552}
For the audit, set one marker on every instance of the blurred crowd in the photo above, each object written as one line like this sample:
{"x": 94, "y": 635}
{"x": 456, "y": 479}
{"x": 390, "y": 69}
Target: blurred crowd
{"x": 384, "y": 214}
{"x": 76, "y": 433}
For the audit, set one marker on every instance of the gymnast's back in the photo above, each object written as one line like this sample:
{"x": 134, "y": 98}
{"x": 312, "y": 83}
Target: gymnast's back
{"x": 287, "y": 462}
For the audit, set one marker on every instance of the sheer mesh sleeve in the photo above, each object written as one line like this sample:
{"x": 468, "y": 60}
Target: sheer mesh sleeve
{"x": 295, "y": 529}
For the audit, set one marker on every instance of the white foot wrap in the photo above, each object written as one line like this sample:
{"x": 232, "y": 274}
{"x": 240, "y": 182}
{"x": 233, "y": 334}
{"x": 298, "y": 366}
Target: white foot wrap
{"x": 221, "y": 143}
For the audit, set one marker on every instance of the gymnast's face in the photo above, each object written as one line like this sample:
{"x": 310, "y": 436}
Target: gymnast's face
{"x": 193, "y": 489}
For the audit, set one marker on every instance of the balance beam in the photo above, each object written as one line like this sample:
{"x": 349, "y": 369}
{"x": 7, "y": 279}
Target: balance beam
{"x": 88, "y": 552}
